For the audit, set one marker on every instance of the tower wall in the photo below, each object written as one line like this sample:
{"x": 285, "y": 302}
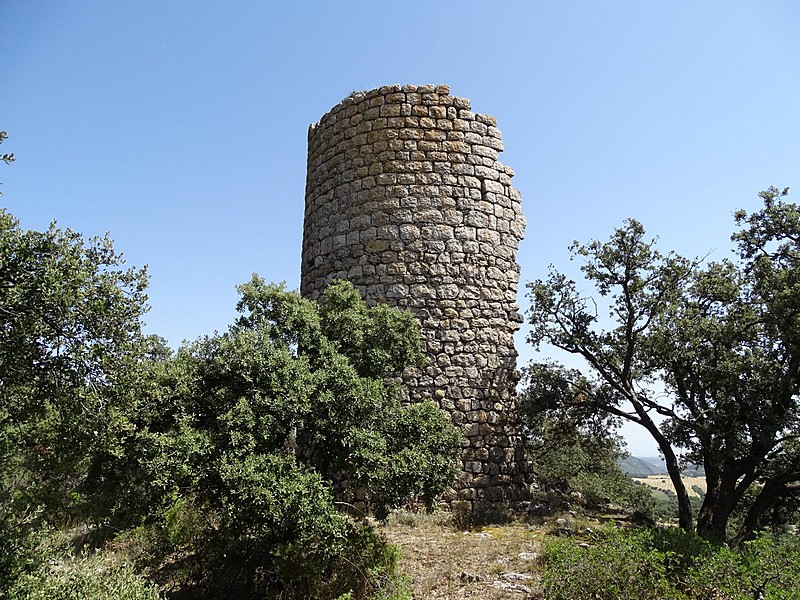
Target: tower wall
{"x": 406, "y": 198}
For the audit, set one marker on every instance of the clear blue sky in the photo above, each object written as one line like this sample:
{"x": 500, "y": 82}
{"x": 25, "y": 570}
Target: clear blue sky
{"x": 180, "y": 126}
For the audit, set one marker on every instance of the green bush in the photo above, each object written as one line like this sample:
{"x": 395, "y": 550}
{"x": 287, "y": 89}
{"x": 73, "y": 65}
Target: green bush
{"x": 365, "y": 568}
{"x": 243, "y": 438}
{"x": 97, "y": 577}
{"x": 615, "y": 486}
{"x": 615, "y": 566}
{"x": 348, "y": 560}
{"x": 19, "y": 545}
{"x": 573, "y": 450}
{"x": 670, "y": 564}
{"x": 229, "y": 456}
{"x": 767, "y": 567}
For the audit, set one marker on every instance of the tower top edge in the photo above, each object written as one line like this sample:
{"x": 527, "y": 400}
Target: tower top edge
{"x": 394, "y": 94}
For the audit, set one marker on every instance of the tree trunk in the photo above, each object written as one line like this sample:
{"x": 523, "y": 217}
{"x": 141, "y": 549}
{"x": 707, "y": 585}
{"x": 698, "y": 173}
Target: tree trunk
{"x": 684, "y": 507}
{"x": 767, "y": 498}
{"x": 712, "y": 522}
{"x": 674, "y": 471}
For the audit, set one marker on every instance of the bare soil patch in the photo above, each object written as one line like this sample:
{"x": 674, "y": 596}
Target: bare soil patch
{"x": 497, "y": 562}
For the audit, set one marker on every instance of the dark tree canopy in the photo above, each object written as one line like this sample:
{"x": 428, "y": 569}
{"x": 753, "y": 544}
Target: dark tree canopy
{"x": 703, "y": 356}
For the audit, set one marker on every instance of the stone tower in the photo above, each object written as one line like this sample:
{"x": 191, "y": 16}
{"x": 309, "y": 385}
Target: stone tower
{"x": 406, "y": 198}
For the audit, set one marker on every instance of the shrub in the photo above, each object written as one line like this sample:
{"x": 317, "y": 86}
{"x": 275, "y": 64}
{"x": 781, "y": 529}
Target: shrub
{"x": 20, "y": 541}
{"x": 616, "y": 565}
{"x": 767, "y": 567}
{"x": 246, "y": 435}
{"x": 670, "y": 564}
{"x": 613, "y": 485}
{"x": 97, "y": 577}
{"x": 574, "y": 450}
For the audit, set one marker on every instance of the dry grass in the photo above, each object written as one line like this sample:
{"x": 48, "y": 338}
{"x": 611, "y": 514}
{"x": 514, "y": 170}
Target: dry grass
{"x": 663, "y": 482}
{"x": 443, "y": 562}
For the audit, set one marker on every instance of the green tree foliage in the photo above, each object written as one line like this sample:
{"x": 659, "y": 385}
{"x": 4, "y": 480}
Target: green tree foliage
{"x": 228, "y": 453}
{"x": 7, "y": 158}
{"x": 769, "y": 245}
{"x": 240, "y": 440}
{"x": 572, "y": 449}
{"x": 669, "y": 564}
{"x": 69, "y": 339}
{"x": 711, "y": 350}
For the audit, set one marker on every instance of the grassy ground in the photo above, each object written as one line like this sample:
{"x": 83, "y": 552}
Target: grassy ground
{"x": 496, "y": 562}
{"x": 444, "y": 562}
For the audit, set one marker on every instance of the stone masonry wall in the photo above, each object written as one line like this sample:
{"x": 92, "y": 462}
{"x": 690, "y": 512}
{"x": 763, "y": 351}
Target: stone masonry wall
{"x": 406, "y": 198}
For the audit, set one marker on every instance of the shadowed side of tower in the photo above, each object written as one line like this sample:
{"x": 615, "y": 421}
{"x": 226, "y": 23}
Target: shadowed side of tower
{"x": 406, "y": 198}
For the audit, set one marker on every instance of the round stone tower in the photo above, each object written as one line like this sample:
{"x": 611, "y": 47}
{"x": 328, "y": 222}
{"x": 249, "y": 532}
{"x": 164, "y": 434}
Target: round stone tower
{"x": 406, "y": 198}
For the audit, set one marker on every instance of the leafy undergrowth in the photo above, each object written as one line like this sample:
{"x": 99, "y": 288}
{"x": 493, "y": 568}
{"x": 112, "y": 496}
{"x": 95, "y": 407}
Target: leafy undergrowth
{"x": 573, "y": 556}
{"x": 564, "y": 554}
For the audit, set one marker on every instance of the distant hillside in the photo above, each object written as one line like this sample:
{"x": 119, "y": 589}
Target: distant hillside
{"x": 644, "y": 466}
{"x": 641, "y": 466}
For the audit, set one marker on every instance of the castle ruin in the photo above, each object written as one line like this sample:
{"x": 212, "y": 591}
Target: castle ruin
{"x": 406, "y": 198}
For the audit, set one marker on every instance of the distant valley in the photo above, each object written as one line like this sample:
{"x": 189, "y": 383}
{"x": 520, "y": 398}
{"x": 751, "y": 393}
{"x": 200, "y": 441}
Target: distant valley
{"x": 651, "y": 472}
{"x": 645, "y": 466}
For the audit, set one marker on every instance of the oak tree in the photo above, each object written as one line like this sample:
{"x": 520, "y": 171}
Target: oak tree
{"x": 70, "y": 340}
{"x": 705, "y": 357}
